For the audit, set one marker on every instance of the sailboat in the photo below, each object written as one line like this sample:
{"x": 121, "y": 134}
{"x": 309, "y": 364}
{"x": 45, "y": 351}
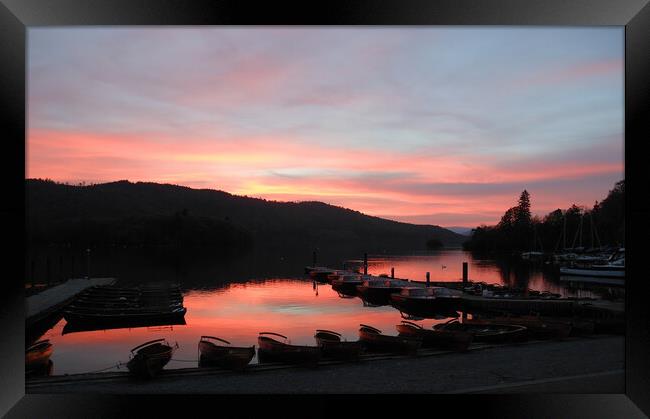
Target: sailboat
{"x": 614, "y": 267}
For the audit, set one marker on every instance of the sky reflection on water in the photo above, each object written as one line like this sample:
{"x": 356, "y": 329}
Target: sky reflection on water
{"x": 294, "y": 307}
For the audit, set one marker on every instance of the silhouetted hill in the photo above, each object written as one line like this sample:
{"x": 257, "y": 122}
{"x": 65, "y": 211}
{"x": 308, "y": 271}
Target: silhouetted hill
{"x": 149, "y": 213}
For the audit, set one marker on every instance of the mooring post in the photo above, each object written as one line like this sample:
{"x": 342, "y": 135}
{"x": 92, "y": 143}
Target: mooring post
{"x": 464, "y": 273}
{"x": 392, "y": 272}
{"x": 365, "y": 264}
{"x": 428, "y": 279}
{"x": 313, "y": 259}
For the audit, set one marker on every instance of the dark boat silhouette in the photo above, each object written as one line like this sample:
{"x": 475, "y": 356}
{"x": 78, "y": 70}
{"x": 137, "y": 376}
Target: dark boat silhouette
{"x": 99, "y": 317}
{"x": 378, "y": 291}
{"x": 216, "y": 354}
{"x": 493, "y": 332}
{"x": 148, "y": 359}
{"x": 373, "y": 339}
{"x": 426, "y": 301}
{"x": 37, "y": 356}
{"x": 332, "y": 346}
{"x": 458, "y": 340}
{"x": 271, "y": 350}
{"x": 538, "y": 327}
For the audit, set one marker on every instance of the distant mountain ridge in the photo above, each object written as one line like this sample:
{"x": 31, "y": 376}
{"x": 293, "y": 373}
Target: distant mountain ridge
{"x": 153, "y": 213}
{"x": 464, "y": 231}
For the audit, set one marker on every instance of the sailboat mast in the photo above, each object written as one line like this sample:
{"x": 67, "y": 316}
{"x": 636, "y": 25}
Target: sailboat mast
{"x": 581, "y": 218}
{"x": 564, "y": 232}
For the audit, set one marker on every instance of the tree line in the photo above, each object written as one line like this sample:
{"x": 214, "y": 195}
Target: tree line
{"x": 603, "y": 225}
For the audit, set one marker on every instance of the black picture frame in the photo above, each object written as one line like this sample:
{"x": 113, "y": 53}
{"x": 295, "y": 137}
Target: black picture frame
{"x": 17, "y": 15}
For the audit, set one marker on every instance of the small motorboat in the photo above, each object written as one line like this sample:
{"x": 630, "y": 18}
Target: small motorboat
{"x": 37, "y": 356}
{"x": 148, "y": 359}
{"x": 108, "y": 317}
{"x": 332, "y": 346}
{"x": 493, "y": 332}
{"x": 216, "y": 354}
{"x": 271, "y": 350}
{"x": 458, "y": 340}
{"x": 427, "y": 301}
{"x": 538, "y": 327}
{"x": 378, "y": 291}
{"x": 347, "y": 284}
{"x": 373, "y": 339}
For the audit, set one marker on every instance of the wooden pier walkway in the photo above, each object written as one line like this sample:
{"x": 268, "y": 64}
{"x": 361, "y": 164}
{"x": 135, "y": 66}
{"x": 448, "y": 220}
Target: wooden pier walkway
{"x": 47, "y": 302}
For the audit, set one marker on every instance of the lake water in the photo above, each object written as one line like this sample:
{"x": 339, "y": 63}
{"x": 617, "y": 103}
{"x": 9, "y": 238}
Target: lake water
{"x": 236, "y": 304}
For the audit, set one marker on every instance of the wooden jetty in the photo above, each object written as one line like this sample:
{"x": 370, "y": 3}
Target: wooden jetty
{"x": 49, "y": 301}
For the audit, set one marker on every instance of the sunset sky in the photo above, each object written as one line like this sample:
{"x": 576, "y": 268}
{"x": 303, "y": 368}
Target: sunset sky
{"x": 438, "y": 125}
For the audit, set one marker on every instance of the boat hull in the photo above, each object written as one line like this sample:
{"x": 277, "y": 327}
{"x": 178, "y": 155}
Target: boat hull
{"x": 385, "y": 343}
{"x": 447, "y": 339}
{"x": 537, "y": 328}
{"x": 147, "y": 364}
{"x": 234, "y": 358}
{"x": 376, "y": 295}
{"x": 489, "y": 333}
{"x": 592, "y": 272}
{"x": 425, "y": 307}
{"x": 271, "y": 350}
{"x": 108, "y": 319}
{"x": 336, "y": 349}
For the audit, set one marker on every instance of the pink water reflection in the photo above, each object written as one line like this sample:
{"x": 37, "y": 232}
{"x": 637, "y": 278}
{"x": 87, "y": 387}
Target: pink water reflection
{"x": 292, "y": 307}
{"x": 237, "y": 313}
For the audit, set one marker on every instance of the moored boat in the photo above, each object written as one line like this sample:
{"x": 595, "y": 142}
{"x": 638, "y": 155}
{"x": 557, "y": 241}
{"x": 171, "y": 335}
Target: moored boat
{"x": 102, "y": 317}
{"x": 37, "y": 355}
{"x": 538, "y": 327}
{"x": 493, "y": 332}
{"x": 426, "y": 301}
{"x": 378, "y": 292}
{"x": 449, "y": 339}
{"x": 148, "y": 359}
{"x": 605, "y": 271}
{"x": 213, "y": 352}
{"x": 333, "y": 347}
{"x": 373, "y": 339}
{"x": 347, "y": 284}
{"x": 613, "y": 267}
{"x": 271, "y": 349}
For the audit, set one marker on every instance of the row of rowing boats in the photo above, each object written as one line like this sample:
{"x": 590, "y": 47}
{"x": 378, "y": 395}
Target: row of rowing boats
{"x": 108, "y": 305}
{"x": 149, "y": 358}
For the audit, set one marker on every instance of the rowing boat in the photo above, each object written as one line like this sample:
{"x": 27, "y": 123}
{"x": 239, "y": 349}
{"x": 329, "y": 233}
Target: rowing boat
{"x": 373, "y": 339}
{"x": 493, "y": 332}
{"x": 271, "y": 349}
{"x": 333, "y": 347}
{"x": 148, "y": 359}
{"x": 449, "y": 339}
{"x": 213, "y": 352}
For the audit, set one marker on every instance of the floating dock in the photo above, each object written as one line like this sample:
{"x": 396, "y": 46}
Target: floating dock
{"x": 47, "y": 302}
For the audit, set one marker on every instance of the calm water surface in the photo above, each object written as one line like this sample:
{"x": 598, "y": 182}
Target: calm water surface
{"x": 291, "y": 305}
